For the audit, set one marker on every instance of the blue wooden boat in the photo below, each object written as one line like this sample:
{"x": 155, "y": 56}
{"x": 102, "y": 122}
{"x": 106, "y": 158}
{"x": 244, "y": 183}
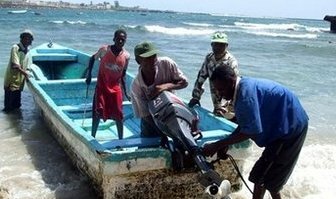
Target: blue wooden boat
{"x": 17, "y": 11}
{"x": 133, "y": 167}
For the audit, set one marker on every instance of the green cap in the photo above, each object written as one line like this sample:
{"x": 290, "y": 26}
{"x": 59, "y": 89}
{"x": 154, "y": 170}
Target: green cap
{"x": 145, "y": 49}
{"x": 219, "y": 37}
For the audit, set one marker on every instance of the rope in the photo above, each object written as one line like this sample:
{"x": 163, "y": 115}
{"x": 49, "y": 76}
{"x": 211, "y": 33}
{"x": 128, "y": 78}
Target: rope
{"x": 85, "y": 105}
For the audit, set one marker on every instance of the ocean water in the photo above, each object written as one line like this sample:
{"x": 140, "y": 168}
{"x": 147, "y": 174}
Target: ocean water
{"x": 299, "y": 53}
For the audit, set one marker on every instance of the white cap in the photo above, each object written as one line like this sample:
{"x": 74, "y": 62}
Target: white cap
{"x": 27, "y": 31}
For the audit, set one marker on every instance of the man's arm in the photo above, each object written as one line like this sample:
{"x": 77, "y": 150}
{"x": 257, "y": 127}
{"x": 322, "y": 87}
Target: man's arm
{"x": 123, "y": 81}
{"x": 19, "y": 68}
{"x": 15, "y": 61}
{"x": 173, "y": 86}
{"x": 177, "y": 80}
{"x": 235, "y": 137}
{"x": 139, "y": 102}
{"x": 168, "y": 87}
{"x": 202, "y": 76}
{"x": 198, "y": 89}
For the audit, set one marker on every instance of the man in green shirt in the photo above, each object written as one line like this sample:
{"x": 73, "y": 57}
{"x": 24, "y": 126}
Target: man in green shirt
{"x": 16, "y": 72}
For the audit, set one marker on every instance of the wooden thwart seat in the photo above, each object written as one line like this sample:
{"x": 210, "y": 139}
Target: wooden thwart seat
{"x": 55, "y": 57}
{"x": 155, "y": 142}
{"x": 131, "y": 142}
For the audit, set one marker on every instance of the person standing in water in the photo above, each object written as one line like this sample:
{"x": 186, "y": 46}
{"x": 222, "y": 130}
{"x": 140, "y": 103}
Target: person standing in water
{"x": 108, "y": 98}
{"x": 219, "y": 55}
{"x": 16, "y": 72}
{"x": 269, "y": 114}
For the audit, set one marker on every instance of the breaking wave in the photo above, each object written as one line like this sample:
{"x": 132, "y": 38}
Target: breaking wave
{"x": 178, "y": 30}
{"x": 69, "y": 22}
{"x": 280, "y": 27}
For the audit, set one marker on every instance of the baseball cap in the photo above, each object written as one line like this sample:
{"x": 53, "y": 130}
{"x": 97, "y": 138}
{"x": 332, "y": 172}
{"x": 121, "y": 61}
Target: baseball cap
{"x": 145, "y": 49}
{"x": 27, "y": 31}
{"x": 219, "y": 37}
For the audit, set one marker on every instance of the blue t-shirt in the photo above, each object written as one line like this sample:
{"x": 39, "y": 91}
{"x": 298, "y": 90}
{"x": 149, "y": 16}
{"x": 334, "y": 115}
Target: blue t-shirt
{"x": 268, "y": 110}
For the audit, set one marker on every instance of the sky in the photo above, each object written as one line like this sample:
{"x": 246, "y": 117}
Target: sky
{"x": 310, "y": 9}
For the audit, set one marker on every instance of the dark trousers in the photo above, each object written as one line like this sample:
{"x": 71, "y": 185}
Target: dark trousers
{"x": 277, "y": 162}
{"x": 149, "y": 128}
{"x": 12, "y": 100}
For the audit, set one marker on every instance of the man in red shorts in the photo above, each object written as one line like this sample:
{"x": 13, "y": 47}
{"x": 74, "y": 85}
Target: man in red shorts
{"x": 107, "y": 100}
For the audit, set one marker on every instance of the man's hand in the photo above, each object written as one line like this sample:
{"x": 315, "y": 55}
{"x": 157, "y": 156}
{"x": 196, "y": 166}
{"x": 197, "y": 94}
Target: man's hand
{"x": 128, "y": 97}
{"x": 158, "y": 89}
{"x": 88, "y": 79}
{"x": 219, "y": 111}
{"x": 27, "y": 74}
{"x": 210, "y": 149}
{"x": 194, "y": 102}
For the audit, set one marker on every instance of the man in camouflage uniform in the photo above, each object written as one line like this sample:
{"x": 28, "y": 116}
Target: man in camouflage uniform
{"x": 219, "y": 55}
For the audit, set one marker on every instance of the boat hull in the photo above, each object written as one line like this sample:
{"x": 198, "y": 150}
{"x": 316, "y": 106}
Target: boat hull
{"x": 135, "y": 171}
{"x": 17, "y": 12}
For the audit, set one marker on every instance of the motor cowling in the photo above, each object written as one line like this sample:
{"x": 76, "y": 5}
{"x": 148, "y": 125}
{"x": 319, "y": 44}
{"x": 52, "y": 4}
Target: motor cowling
{"x": 171, "y": 115}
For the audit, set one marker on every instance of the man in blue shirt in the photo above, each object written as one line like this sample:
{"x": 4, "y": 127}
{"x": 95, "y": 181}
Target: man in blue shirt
{"x": 270, "y": 115}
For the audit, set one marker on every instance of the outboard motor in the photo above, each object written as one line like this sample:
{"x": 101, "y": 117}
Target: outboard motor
{"x": 179, "y": 122}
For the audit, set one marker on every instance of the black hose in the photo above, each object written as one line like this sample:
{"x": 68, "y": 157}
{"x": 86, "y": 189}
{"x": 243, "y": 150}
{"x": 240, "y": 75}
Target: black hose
{"x": 238, "y": 171}
{"x": 226, "y": 156}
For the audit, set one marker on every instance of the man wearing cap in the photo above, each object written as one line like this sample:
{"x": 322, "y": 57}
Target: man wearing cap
{"x": 16, "y": 72}
{"x": 155, "y": 74}
{"x": 219, "y": 55}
